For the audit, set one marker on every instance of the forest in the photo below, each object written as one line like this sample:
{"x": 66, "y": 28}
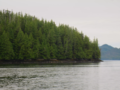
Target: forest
{"x": 25, "y": 37}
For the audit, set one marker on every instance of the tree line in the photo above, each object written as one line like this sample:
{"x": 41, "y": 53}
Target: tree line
{"x": 24, "y": 37}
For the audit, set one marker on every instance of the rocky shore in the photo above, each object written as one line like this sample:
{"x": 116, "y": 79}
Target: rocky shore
{"x": 48, "y": 62}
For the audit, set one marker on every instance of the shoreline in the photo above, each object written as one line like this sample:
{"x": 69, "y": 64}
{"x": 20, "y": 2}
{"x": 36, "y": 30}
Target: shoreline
{"x": 49, "y": 62}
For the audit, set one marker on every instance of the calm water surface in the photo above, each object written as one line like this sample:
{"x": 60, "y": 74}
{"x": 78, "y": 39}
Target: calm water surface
{"x": 102, "y": 76}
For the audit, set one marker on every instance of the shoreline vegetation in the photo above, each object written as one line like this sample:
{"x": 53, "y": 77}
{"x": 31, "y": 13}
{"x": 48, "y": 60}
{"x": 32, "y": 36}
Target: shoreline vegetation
{"x": 48, "y": 62}
{"x": 26, "y": 39}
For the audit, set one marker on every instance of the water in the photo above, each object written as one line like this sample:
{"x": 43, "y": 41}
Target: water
{"x": 102, "y": 76}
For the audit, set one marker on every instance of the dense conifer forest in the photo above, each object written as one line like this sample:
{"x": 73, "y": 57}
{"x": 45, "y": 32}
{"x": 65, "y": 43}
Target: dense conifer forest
{"x": 25, "y": 37}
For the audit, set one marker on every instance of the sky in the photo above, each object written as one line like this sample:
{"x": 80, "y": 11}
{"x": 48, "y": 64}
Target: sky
{"x": 95, "y": 18}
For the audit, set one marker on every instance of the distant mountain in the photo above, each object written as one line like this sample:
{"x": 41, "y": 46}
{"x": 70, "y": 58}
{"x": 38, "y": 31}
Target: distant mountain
{"x": 109, "y": 53}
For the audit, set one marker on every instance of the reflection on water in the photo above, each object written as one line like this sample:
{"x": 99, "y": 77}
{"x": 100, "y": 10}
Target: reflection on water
{"x": 102, "y": 76}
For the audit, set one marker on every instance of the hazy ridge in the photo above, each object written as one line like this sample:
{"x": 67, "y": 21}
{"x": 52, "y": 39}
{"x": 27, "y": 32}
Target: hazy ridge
{"x": 109, "y": 53}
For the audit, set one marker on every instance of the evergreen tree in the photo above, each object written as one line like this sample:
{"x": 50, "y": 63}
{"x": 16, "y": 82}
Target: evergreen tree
{"x": 6, "y": 49}
{"x": 60, "y": 49}
{"x": 18, "y": 43}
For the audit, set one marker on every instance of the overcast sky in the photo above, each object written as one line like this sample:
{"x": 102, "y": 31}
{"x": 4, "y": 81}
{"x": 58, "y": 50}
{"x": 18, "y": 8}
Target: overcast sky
{"x": 95, "y": 18}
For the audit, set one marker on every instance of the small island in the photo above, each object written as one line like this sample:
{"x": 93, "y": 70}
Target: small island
{"x": 26, "y": 39}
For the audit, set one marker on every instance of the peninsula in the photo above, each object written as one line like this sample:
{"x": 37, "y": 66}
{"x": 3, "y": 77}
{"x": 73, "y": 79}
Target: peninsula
{"x": 25, "y": 38}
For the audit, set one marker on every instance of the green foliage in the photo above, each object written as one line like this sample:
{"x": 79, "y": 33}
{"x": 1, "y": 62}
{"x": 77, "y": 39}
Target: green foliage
{"x": 24, "y": 37}
{"x": 6, "y": 49}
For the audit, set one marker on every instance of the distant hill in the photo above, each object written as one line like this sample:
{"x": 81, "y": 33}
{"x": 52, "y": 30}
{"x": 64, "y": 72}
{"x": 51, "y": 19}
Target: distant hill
{"x": 109, "y": 53}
